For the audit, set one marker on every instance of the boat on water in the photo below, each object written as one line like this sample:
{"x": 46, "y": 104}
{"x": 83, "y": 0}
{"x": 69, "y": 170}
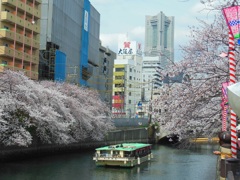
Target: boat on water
{"x": 234, "y": 97}
{"x": 124, "y": 155}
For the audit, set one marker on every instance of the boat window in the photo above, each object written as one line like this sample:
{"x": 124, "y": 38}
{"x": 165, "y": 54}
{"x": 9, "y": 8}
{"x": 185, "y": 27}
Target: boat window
{"x": 128, "y": 154}
{"x": 104, "y": 153}
{"x": 116, "y": 154}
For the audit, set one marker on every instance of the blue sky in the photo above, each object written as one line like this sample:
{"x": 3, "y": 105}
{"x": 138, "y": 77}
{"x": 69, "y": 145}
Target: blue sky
{"x": 121, "y": 17}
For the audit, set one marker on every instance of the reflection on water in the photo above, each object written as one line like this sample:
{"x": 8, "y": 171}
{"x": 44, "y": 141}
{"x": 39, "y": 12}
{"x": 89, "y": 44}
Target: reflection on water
{"x": 168, "y": 163}
{"x": 121, "y": 173}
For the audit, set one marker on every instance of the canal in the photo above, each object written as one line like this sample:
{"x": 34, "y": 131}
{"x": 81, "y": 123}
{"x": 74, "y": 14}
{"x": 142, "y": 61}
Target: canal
{"x": 168, "y": 163}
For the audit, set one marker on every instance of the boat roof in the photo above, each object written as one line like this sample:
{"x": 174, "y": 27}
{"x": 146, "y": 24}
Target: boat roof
{"x": 124, "y": 147}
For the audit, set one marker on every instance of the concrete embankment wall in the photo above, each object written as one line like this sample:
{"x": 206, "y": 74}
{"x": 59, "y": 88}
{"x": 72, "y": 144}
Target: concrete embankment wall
{"x": 113, "y": 137}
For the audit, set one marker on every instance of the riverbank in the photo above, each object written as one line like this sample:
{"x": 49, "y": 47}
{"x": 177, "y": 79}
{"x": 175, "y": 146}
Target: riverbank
{"x": 205, "y": 140}
{"x": 114, "y": 137}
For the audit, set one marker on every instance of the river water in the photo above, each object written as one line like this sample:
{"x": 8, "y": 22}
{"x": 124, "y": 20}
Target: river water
{"x": 168, "y": 164}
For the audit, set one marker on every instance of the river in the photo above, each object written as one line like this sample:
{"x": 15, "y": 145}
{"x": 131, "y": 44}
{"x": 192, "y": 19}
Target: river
{"x": 168, "y": 164}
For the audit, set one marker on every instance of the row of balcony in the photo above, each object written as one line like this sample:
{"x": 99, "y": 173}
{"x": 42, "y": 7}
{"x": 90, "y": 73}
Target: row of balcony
{"x": 9, "y": 17}
{"x": 119, "y": 73}
{"x": 119, "y": 65}
{"x": 31, "y": 74}
{"x": 118, "y": 89}
{"x": 119, "y": 81}
{"x": 9, "y": 52}
{"x": 21, "y": 6}
{"x": 4, "y": 33}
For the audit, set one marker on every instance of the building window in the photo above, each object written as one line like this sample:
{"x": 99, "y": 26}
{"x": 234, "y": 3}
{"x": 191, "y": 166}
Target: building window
{"x": 119, "y": 77}
{"x": 130, "y": 85}
{"x": 130, "y": 69}
{"x": 129, "y": 93}
{"x": 130, "y": 77}
{"x": 129, "y": 101}
{"x": 119, "y": 85}
{"x": 5, "y": 27}
{"x": 154, "y": 36}
{"x": 119, "y": 69}
{"x": 117, "y": 93}
{"x": 4, "y": 62}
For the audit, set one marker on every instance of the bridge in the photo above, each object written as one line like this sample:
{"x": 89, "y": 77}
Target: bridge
{"x": 131, "y": 123}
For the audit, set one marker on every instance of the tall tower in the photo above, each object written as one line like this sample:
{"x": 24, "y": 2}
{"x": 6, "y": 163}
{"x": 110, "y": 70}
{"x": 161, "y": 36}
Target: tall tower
{"x": 19, "y": 36}
{"x": 159, "y": 37}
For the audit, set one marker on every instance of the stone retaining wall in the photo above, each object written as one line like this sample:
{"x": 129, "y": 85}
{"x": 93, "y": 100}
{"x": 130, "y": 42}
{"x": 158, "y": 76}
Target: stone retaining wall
{"x": 113, "y": 137}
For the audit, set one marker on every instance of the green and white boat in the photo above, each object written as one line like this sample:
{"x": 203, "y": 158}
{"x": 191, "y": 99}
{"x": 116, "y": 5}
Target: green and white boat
{"x": 125, "y": 154}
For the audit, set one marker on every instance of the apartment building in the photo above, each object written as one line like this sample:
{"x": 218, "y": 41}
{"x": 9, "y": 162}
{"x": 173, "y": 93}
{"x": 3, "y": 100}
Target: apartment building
{"x": 19, "y": 36}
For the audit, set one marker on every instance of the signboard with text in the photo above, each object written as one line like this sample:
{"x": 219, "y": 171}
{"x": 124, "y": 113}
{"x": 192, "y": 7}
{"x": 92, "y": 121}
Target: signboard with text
{"x": 129, "y": 48}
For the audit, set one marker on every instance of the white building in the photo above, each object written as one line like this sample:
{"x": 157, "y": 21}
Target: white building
{"x": 127, "y": 79}
{"x": 150, "y": 76}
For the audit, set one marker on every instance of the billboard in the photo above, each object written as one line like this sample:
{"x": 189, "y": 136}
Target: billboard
{"x": 129, "y": 48}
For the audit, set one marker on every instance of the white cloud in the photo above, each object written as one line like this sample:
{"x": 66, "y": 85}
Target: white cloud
{"x": 138, "y": 34}
{"x": 110, "y": 41}
{"x": 197, "y": 8}
{"x": 140, "y": 30}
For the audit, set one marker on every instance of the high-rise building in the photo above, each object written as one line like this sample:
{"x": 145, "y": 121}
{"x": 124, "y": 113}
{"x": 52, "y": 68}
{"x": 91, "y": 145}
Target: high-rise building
{"x": 159, "y": 38}
{"x": 70, "y": 50}
{"x": 19, "y": 36}
{"x": 159, "y": 52}
{"x": 102, "y": 77}
{"x": 70, "y": 28}
{"x": 127, "y": 79}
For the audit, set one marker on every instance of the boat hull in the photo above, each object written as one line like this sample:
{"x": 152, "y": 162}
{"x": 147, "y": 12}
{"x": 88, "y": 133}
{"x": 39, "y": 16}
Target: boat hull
{"x": 122, "y": 162}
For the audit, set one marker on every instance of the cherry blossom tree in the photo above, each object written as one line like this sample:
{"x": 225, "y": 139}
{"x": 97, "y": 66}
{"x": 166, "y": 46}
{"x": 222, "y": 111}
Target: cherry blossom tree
{"x": 192, "y": 108}
{"x": 92, "y": 116}
{"x": 52, "y": 112}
